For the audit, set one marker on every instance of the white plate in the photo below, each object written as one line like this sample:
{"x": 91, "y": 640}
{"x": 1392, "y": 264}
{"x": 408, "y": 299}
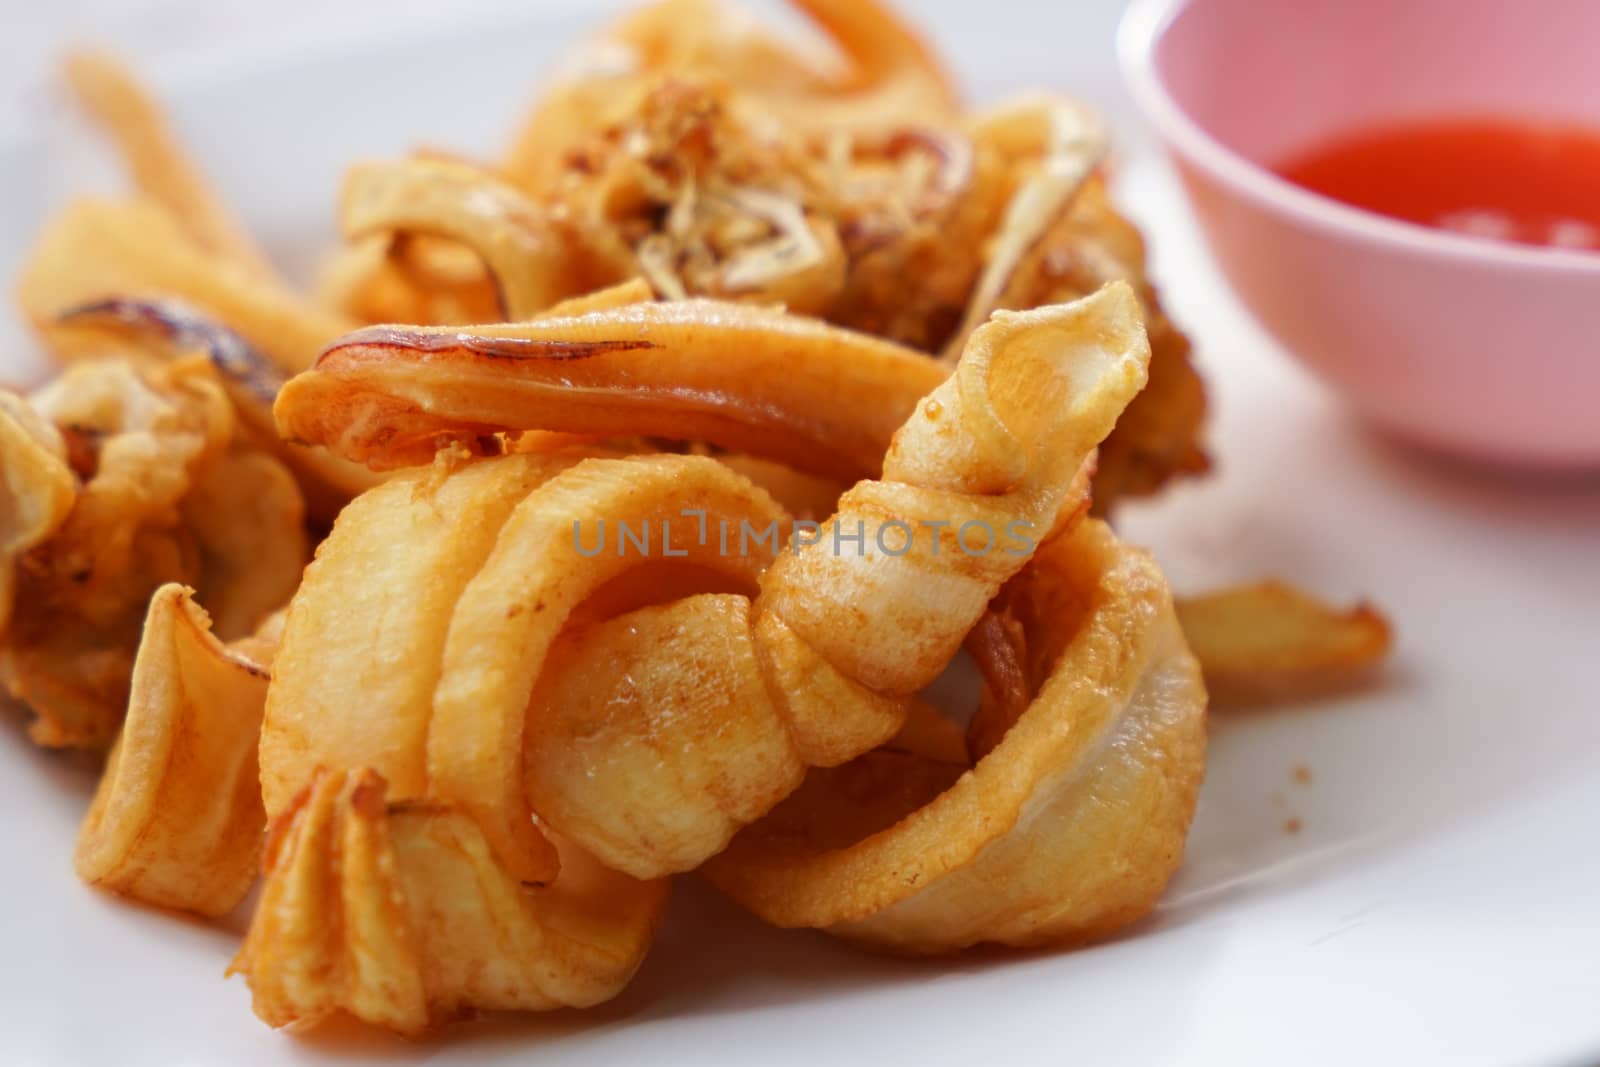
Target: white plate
{"x": 1440, "y": 903}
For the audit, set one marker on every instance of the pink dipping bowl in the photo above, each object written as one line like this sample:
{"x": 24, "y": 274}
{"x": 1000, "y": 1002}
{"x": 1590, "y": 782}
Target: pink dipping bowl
{"x": 1474, "y": 347}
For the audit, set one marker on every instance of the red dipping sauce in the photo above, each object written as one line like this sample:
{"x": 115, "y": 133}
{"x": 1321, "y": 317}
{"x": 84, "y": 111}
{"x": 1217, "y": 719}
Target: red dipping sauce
{"x": 1492, "y": 178}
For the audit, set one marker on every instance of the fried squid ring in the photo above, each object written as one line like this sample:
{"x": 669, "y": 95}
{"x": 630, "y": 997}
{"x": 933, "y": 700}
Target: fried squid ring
{"x": 530, "y": 264}
{"x": 426, "y": 533}
{"x": 478, "y": 579}
{"x": 998, "y": 446}
{"x": 1067, "y": 830}
{"x": 816, "y": 397}
{"x": 176, "y": 821}
{"x": 476, "y": 705}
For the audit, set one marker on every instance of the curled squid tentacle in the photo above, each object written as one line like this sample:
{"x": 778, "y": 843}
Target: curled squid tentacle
{"x": 529, "y": 262}
{"x": 1066, "y": 830}
{"x": 177, "y": 818}
{"x": 822, "y": 399}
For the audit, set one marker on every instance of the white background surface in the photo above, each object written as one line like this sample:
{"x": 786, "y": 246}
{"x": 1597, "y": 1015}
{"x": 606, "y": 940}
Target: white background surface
{"x": 1441, "y": 903}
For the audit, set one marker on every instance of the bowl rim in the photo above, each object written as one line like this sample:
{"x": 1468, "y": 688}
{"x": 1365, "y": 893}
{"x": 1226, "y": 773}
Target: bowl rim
{"x": 1145, "y": 23}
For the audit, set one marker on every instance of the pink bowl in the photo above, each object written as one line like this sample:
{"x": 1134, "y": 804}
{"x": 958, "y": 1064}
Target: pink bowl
{"x": 1483, "y": 349}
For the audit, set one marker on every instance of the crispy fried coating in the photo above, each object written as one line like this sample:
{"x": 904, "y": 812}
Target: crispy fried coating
{"x": 143, "y": 448}
{"x": 400, "y": 915}
{"x": 1270, "y": 642}
{"x": 1066, "y": 830}
{"x": 177, "y": 819}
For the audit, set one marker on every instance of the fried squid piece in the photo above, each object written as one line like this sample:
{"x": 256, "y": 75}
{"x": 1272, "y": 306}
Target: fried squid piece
{"x": 135, "y": 248}
{"x": 134, "y": 441}
{"x": 38, "y": 487}
{"x": 611, "y": 760}
{"x": 1061, "y": 144}
{"x": 400, "y": 915}
{"x": 529, "y": 262}
{"x": 889, "y": 76}
{"x": 817, "y": 667}
{"x": 493, "y": 550}
{"x": 1271, "y": 642}
{"x": 696, "y": 189}
{"x": 756, "y": 380}
{"x": 1067, "y": 830}
{"x": 706, "y": 193}
{"x": 152, "y": 450}
{"x": 132, "y": 120}
{"x": 177, "y": 819}
{"x": 163, "y": 330}
{"x": 1159, "y": 437}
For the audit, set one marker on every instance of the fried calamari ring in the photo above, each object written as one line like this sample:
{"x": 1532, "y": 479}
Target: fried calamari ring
{"x": 531, "y": 265}
{"x": 454, "y": 690}
{"x": 756, "y": 380}
{"x": 998, "y": 446}
{"x": 452, "y": 713}
{"x": 442, "y": 691}
{"x": 176, "y": 821}
{"x": 1067, "y": 830}
{"x": 426, "y": 533}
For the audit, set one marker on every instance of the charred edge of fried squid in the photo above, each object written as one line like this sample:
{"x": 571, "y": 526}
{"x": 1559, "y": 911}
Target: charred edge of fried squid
{"x": 234, "y": 358}
{"x": 385, "y": 339}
